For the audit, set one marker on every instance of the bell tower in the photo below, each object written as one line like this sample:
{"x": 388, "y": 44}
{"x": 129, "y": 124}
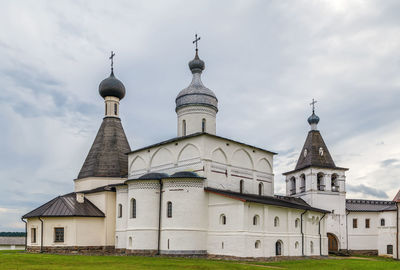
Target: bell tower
{"x": 318, "y": 181}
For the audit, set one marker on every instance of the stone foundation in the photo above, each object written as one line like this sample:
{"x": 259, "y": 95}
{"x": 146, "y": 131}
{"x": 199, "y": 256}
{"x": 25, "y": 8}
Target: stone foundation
{"x": 371, "y": 252}
{"x": 73, "y": 249}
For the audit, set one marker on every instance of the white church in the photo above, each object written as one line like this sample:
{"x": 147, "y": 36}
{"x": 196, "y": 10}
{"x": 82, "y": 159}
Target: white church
{"x": 202, "y": 194}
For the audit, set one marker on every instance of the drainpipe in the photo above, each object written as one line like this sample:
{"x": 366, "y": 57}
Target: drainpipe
{"x": 41, "y": 236}
{"x": 397, "y": 231}
{"x": 319, "y": 232}
{"x": 302, "y": 233}
{"x": 347, "y": 232}
{"x": 159, "y": 219}
{"x": 26, "y": 231}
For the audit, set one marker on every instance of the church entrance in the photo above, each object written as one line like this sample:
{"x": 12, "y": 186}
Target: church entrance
{"x": 333, "y": 245}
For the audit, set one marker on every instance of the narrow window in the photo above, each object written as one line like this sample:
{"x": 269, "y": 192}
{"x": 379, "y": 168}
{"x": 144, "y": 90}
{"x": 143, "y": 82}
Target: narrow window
{"x": 276, "y": 222}
{"x": 133, "y": 208}
{"x": 203, "y": 125}
{"x": 33, "y": 235}
{"x": 296, "y": 223}
{"x": 59, "y": 235}
{"x": 382, "y": 222}
{"x": 119, "y": 210}
{"x": 115, "y": 109}
{"x": 222, "y": 219}
{"x": 105, "y": 108}
{"x": 278, "y": 248}
{"x": 296, "y": 245}
{"x": 354, "y": 223}
{"x": 302, "y": 183}
{"x": 334, "y": 184}
{"x": 312, "y": 247}
{"x": 184, "y": 127}
{"x": 257, "y": 244}
{"x": 169, "y": 209}
{"x": 130, "y": 242}
{"x": 260, "y": 189}
{"x": 168, "y": 244}
{"x": 292, "y": 186}
{"x": 389, "y": 249}
{"x": 241, "y": 188}
{"x": 256, "y": 219}
{"x": 367, "y": 223}
{"x": 222, "y": 245}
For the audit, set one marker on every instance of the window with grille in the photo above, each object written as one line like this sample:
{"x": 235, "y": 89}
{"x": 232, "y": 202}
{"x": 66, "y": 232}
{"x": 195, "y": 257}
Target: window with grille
{"x": 58, "y": 235}
{"x": 169, "y": 209}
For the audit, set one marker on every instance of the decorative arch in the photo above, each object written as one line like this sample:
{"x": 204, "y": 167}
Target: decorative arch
{"x": 189, "y": 151}
{"x": 218, "y": 155}
{"x": 263, "y": 165}
{"x": 162, "y": 156}
{"x": 256, "y": 220}
{"x": 137, "y": 164}
{"x": 320, "y": 181}
{"x": 241, "y": 158}
{"x": 222, "y": 219}
{"x": 333, "y": 243}
{"x": 257, "y": 244}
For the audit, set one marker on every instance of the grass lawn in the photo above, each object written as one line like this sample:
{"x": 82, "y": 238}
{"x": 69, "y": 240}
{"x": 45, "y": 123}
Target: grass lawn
{"x": 21, "y": 260}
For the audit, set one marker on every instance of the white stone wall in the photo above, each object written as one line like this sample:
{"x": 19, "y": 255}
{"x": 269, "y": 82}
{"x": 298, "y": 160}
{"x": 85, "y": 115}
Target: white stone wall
{"x": 193, "y": 117}
{"x": 376, "y": 237}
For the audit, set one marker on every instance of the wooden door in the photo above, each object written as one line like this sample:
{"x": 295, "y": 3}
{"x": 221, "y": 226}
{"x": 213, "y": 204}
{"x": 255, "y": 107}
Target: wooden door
{"x": 332, "y": 243}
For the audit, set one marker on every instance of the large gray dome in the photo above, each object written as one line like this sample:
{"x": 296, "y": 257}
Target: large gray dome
{"x": 113, "y": 87}
{"x": 196, "y": 93}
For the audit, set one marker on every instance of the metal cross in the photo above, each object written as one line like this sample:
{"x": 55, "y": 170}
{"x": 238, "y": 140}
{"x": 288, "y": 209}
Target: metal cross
{"x": 196, "y": 39}
{"x": 313, "y": 104}
{"x": 112, "y": 60}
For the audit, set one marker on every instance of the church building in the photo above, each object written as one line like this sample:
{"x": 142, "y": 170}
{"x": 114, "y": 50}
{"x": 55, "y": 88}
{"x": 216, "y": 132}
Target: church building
{"x": 202, "y": 194}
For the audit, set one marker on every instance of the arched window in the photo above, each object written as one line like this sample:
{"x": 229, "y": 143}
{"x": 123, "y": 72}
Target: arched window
{"x": 257, "y": 244}
{"x": 382, "y": 222}
{"x": 389, "y": 249}
{"x": 222, "y": 245}
{"x": 312, "y": 247}
{"x": 260, "y": 188}
{"x": 292, "y": 186}
{"x": 184, "y": 127}
{"x": 222, "y": 219}
{"x": 120, "y": 210}
{"x": 320, "y": 181}
{"x": 334, "y": 183}
{"x": 115, "y": 109}
{"x": 203, "y": 125}
{"x": 296, "y": 223}
{"x": 296, "y": 245}
{"x": 278, "y": 248}
{"x": 169, "y": 209}
{"x": 133, "y": 208}
{"x": 256, "y": 220}
{"x": 130, "y": 242}
{"x": 276, "y": 222}
{"x": 302, "y": 182}
{"x": 241, "y": 188}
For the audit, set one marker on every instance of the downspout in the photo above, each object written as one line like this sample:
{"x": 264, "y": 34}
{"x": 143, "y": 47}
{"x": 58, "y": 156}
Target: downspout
{"x": 319, "y": 232}
{"x": 159, "y": 219}
{"x": 347, "y": 232}
{"x": 397, "y": 231}
{"x": 26, "y": 231}
{"x": 41, "y": 236}
{"x": 302, "y": 233}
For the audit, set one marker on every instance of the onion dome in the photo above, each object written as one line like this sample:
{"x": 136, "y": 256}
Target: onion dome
{"x": 313, "y": 119}
{"x": 196, "y": 93}
{"x": 111, "y": 86}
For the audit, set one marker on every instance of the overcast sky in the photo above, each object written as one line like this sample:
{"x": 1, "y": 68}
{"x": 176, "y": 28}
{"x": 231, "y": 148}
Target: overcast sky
{"x": 265, "y": 61}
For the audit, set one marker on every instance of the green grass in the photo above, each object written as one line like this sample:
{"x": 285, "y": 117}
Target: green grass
{"x": 21, "y": 260}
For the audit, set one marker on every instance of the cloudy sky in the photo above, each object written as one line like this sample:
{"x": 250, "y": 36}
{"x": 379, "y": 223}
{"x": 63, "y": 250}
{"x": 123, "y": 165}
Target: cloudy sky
{"x": 265, "y": 60}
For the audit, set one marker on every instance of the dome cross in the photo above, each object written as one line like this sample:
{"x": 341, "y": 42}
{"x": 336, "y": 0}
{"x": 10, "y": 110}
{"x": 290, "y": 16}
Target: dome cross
{"x": 112, "y": 61}
{"x": 313, "y": 105}
{"x": 195, "y": 41}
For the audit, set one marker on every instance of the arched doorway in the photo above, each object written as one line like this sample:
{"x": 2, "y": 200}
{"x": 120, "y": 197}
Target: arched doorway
{"x": 278, "y": 248}
{"x": 333, "y": 245}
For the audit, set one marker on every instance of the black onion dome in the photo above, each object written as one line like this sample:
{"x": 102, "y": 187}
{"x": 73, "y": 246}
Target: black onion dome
{"x": 196, "y": 93}
{"x": 313, "y": 119}
{"x": 113, "y": 87}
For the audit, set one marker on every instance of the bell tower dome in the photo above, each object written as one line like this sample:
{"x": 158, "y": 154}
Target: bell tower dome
{"x": 196, "y": 105}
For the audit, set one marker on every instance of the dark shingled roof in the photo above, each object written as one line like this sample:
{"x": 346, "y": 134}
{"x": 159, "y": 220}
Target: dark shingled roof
{"x": 66, "y": 206}
{"x": 283, "y": 201}
{"x": 355, "y": 205}
{"x": 185, "y": 174}
{"x": 107, "y": 156}
{"x": 153, "y": 176}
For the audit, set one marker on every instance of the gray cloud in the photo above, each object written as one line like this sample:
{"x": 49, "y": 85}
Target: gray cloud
{"x": 265, "y": 60}
{"x": 363, "y": 189}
